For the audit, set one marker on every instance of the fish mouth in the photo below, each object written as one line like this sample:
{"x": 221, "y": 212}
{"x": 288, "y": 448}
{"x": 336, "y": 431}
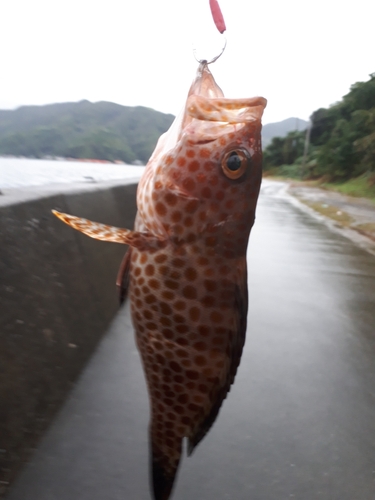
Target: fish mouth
{"x": 201, "y": 142}
{"x": 227, "y": 111}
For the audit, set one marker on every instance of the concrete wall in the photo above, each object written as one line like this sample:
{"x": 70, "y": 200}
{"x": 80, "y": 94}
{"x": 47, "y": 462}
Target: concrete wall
{"x": 57, "y": 297}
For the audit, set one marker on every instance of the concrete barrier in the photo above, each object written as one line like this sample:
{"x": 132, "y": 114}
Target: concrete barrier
{"x": 57, "y": 297}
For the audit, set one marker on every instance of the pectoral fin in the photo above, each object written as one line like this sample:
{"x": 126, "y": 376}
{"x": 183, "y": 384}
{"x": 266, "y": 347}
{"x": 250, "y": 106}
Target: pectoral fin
{"x": 110, "y": 233}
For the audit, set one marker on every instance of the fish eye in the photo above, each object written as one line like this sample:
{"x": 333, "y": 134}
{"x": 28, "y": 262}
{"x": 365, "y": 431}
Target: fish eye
{"x": 235, "y": 163}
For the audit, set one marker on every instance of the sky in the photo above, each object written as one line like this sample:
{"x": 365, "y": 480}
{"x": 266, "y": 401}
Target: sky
{"x": 299, "y": 55}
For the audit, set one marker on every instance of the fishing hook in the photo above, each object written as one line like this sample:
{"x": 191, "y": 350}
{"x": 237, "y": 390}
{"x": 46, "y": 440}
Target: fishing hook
{"x": 214, "y": 58}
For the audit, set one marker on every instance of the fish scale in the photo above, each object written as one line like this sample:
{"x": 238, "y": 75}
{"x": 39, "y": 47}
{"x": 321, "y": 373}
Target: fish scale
{"x": 186, "y": 268}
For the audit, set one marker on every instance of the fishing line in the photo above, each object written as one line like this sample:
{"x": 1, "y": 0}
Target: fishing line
{"x": 218, "y": 19}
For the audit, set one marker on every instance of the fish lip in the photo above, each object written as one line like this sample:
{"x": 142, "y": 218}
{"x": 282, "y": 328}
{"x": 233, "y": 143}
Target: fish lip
{"x": 204, "y": 141}
{"x": 196, "y": 138}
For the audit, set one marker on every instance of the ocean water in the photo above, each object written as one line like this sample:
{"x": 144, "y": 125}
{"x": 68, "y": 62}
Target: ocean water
{"x": 20, "y": 173}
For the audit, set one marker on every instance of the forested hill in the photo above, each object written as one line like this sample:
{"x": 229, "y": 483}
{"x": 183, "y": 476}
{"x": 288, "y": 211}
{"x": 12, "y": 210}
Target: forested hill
{"x": 101, "y": 130}
{"x": 281, "y": 129}
{"x": 342, "y": 142}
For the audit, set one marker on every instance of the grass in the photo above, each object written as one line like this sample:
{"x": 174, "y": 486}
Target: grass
{"x": 342, "y": 218}
{"x": 368, "y": 229}
{"x": 367, "y": 226}
{"x": 362, "y": 187}
{"x": 332, "y": 212}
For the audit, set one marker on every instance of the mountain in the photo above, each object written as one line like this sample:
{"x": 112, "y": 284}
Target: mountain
{"x": 281, "y": 129}
{"x": 101, "y": 130}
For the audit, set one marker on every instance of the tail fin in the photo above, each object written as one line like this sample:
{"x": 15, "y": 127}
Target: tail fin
{"x": 164, "y": 470}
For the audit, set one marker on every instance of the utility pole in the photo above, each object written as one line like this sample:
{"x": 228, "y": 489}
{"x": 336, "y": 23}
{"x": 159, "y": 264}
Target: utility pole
{"x": 306, "y": 148}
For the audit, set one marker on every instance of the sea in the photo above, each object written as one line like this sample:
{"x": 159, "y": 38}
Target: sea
{"x": 22, "y": 173}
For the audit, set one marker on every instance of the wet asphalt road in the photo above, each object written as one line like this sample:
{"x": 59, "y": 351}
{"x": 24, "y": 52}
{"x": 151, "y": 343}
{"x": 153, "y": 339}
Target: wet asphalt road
{"x": 299, "y": 422}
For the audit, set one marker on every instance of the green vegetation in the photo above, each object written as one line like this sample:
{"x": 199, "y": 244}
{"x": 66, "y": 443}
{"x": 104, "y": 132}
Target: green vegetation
{"x": 362, "y": 187}
{"x": 283, "y": 155}
{"x": 331, "y": 211}
{"x": 342, "y": 145}
{"x": 101, "y": 130}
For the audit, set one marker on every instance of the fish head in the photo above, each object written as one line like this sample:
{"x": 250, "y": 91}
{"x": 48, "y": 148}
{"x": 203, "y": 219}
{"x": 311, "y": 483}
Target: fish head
{"x": 205, "y": 174}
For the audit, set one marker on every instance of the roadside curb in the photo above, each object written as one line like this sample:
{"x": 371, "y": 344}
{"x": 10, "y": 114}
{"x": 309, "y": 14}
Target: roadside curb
{"x": 364, "y": 239}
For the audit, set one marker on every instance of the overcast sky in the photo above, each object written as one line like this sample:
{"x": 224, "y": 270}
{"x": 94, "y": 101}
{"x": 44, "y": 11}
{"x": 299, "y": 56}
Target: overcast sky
{"x": 300, "y": 55}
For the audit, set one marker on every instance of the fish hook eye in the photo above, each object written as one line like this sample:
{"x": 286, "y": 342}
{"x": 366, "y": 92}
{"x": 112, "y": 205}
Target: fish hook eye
{"x": 235, "y": 163}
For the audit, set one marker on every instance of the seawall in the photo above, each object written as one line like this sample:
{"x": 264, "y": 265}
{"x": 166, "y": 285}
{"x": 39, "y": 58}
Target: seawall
{"x": 57, "y": 297}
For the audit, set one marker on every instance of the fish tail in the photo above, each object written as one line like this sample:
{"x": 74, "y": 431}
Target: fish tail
{"x": 164, "y": 469}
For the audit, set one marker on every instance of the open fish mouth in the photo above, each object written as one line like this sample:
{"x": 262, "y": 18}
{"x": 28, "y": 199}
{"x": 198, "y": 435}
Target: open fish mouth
{"x": 202, "y": 142}
{"x": 225, "y": 110}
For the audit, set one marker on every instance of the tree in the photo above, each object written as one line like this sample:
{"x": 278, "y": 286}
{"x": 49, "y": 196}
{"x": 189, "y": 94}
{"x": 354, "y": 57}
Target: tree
{"x": 284, "y": 150}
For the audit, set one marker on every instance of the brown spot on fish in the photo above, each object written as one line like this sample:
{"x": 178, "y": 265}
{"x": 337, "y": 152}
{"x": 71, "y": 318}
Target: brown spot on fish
{"x": 150, "y": 270}
{"x": 160, "y": 208}
{"x": 180, "y": 305}
{"x": 188, "y": 184}
{"x": 190, "y": 274}
{"x": 193, "y": 166}
{"x": 171, "y": 199}
{"x": 189, "y": 292}
{"x": 194, "y": 313}
{"x": 205, "y": 153}
{"x": 176, "y": 216}
{"x": 192, "y": 206}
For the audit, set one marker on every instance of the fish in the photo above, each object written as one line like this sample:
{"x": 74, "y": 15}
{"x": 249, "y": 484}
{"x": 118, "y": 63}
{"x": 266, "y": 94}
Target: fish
{"x": 186, "y": 270}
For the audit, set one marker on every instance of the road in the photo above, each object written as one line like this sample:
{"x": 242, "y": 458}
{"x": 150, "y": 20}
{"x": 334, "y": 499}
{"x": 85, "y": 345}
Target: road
{"x": 299, "y": 422}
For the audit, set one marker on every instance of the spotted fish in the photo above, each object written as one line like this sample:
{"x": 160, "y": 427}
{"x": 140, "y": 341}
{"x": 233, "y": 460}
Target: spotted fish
{"x": 186, "y": 265}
